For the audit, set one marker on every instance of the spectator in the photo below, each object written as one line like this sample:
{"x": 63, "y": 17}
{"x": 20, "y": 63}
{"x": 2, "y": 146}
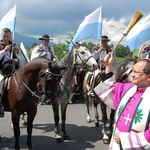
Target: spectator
{"x": 78, "y": 84}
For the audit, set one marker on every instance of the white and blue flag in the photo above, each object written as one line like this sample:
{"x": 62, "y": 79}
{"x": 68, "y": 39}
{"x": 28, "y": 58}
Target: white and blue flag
{"x": 9, "y": 20}
{"x": 90, "y": 28}
{"x": 24, "y": 52}
{"x": 139, "y": 34}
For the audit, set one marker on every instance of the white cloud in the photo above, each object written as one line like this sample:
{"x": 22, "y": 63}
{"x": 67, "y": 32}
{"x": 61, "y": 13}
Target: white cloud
{"x": 58, "y": 18}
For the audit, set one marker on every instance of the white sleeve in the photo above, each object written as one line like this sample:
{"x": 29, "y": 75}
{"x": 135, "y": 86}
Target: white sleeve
{"x": 134, "y": 141}
{"x": 95, "y": 54}
{"x": 104, "y": 90}
{"x": 2, "y": 53}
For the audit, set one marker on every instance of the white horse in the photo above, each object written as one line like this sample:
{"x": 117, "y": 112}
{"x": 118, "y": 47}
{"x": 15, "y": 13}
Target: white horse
{"x": 144, "y": 51}
{"x": 78, "y": 56}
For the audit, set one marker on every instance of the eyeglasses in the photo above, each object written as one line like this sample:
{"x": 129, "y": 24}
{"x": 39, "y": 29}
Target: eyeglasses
{"x": 137, "y": 72}
{"x": 104, "y": 40}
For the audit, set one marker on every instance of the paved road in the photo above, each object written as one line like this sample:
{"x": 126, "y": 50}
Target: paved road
{"x": 84, "y": 136}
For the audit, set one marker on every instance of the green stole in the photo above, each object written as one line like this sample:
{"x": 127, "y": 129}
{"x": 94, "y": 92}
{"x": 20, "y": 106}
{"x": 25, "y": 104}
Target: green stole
{"x": 142, "y": 112}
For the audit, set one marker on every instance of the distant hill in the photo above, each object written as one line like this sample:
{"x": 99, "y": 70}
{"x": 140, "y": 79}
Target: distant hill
{"x": 28, "y": 41}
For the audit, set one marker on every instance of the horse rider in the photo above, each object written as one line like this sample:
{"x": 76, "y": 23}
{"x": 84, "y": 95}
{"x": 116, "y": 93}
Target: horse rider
{"x": 8, "y": 60}
{"x": 44, "y": 49}
{"x": 99, "y": 53}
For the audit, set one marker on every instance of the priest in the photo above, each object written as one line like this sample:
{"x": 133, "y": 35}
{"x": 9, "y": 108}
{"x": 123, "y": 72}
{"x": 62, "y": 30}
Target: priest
{"x": 132, "y": 104}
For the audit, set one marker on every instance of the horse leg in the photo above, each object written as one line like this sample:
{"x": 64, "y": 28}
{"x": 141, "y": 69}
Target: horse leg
{"x": 55, "y": 107}
{"x": 15, "y": 121}
{"x": 112, "y": 115}
{"x": 96, "y": 114}
{"x": 63, "y": 115}
{"x": 106, "y": 139}
{"x": 30, "y": 117}
{"x": 24, "y": 122}
{"x": 88, "y": 118}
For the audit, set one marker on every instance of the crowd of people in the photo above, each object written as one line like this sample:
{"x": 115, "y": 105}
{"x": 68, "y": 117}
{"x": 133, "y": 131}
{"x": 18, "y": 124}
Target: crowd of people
{"x": 130, "y": 100}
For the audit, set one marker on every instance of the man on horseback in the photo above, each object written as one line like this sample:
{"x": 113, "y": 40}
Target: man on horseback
{"x": 99, "y": 53}
{"x": 44, "y": 49}
{"x": 8, "y": 60}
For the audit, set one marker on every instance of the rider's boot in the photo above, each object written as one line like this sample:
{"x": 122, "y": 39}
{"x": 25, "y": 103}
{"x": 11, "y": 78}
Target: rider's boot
{"x": 1, "y": 111}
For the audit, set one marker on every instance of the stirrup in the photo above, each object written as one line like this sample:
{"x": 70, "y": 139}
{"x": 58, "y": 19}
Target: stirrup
{"x": 90, "y": 93}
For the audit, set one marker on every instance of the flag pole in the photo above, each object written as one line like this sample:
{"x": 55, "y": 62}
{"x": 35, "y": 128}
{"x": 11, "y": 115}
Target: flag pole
{"x": 12, "y": 47}
{"x": 136, "y": 17}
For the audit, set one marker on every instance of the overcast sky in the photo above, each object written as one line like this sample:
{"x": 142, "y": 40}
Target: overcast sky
{"x": 59, "y": 18}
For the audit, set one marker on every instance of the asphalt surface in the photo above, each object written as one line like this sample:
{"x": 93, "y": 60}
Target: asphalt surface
{"x": 84, "y": 136}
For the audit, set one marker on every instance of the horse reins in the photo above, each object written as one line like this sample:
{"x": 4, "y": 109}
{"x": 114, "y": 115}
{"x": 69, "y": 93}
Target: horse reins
{"x": 33, "y": 93}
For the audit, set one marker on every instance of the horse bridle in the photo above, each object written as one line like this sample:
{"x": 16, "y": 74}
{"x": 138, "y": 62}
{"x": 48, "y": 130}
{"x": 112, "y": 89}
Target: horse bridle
{"x": 83, "y": 61}
{"x": 41, "y": 98}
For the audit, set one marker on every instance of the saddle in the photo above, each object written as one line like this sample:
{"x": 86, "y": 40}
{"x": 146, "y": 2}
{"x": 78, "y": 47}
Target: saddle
{"x": 93, "y": 78}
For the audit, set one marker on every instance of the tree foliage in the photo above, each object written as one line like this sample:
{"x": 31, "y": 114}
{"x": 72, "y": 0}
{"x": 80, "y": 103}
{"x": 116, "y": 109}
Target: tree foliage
{"x": 122, "y": 51}
{"x": 60, "y": 50}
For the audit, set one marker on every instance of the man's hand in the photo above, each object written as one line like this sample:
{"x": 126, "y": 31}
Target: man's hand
{"x": 7, "y": 48}
{"x": 117, "y": 137}
{"x": 44, "y": 54}
{"x": 109, "y": 59}
{"x": 100, "y": 49}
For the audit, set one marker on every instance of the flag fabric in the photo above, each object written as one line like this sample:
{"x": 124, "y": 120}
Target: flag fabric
{"x": 24, "y": 52}
{"x": 9, "y": 20}
{"x": 90, "y": 28}
{"x": 139, "y": 34}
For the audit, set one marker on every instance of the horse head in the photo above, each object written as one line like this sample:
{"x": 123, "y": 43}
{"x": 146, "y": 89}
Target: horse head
{"x": 144, "y": 51}
{"x": 52, "y": 80}
{"x": 83, "y": 57}
{"x": 123, "y": 70}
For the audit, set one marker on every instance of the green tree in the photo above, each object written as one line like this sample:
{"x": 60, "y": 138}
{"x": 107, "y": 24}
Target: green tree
{"x": 122, "y": 51}
{"x": 60, "y": 50}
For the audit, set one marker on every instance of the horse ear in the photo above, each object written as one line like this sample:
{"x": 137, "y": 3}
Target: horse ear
{"x": 74, "y": 44}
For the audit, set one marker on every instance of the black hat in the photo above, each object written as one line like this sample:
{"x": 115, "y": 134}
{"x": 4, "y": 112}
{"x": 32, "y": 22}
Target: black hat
{"x": 104, "y": 37}
{"x": 8, "y": 68}
{"x": 45, "y": 37}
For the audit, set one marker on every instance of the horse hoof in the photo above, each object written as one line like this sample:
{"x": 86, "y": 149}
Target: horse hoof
{"x": 59, "y": 139}
{"x": 88, "y": 120}
{"x": 24, "y": 123}
{"x": 12, "y": 126}
{"x": 106, "y": 141}
{"x": 66, "y": 137}
{"x": 96, "y": 124}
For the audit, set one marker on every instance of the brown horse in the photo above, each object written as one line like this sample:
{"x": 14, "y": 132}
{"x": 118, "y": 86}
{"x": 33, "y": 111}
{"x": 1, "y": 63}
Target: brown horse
{"x": 21, "y": 95}
{"x": 121, "y": 72}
